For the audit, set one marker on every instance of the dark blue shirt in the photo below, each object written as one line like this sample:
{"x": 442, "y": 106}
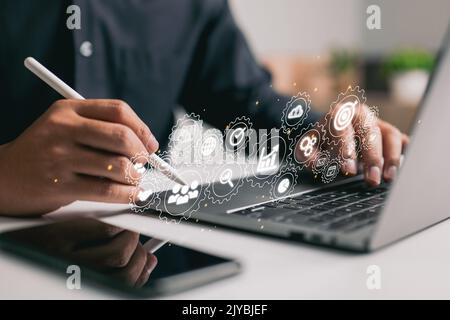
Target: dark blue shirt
{"x": 154, "y": 54}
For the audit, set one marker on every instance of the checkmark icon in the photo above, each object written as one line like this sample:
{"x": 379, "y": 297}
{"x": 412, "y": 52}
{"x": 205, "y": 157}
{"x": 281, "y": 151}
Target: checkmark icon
{"x": 144, "y": 195}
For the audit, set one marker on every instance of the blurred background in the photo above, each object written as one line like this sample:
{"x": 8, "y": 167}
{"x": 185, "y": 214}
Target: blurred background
{"x": 324, "y": 46}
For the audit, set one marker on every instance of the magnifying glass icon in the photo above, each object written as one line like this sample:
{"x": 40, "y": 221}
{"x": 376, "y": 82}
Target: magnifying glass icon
{"x": 225, "y": 177}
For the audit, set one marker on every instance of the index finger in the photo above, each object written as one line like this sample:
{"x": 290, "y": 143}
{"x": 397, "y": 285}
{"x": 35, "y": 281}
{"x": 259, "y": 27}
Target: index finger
{"x": 118, "y": 111}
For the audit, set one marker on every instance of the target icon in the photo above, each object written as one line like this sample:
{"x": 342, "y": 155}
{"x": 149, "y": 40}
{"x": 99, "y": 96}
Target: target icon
{"x": 342, "y": 115}
{"x": 345, "y": 115}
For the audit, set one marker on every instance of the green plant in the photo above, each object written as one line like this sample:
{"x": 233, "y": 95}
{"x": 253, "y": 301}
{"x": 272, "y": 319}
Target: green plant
{"x": 408, "y": 59}
{"x": 343, "y": 60}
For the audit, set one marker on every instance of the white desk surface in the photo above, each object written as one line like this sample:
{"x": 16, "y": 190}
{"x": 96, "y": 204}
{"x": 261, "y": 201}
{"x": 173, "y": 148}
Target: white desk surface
{"x": 418, "y": 267}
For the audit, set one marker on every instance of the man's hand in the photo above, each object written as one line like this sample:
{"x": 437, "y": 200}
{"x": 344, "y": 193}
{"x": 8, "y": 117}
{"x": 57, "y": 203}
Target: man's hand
{"x": 77, "y": 150}
{"x": 381, "y": 156}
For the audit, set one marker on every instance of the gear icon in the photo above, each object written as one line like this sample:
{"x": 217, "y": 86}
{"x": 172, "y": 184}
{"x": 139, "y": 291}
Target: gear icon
{"x": 305, "y": 146}
{"x": 138, "y": 168}
{"x": 271, "y": 157}
{"x": 228, "y": 179}
{"x": 237, "y": 133}
{"x": 143, "y": 197}
{"x": 368, "y": 120}
{"x": 296, "y": 111}
{"x": 350, "y": 148}
{"x": 321, "y": 160}
{"x": 368, "y": 140}
{"x": 343, "y": 110}
{"x": 154, "y": 180}
{"x": 185, "y": 139}
{"x": 368, "y": 131}
{"x": 331, "y": 171}
{"x": 180, "y": 202}
{"x": 211, "y": 147}
{"x": 283, "y": 184}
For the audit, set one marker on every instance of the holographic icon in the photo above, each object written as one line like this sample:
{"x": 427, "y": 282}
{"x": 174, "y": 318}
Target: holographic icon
{"x": 184, "y": 140}
{"x": 143, "y": 195}
{"x": 229, "y": 178}
{"x": 236, "y": 137}
{"x": 209, "y": 145}
{"x": 182, "y": 201}
{"x": 182, "y": 194}
{"x": 320, "y": 162}
{"x": 236, "y": 134}
{"x": 344, "y": 115}
{"x": 268, "y": 163}
{"x": 270, "y": 158}
{"x": 137, "y": 168}
{"x": 343, "y": 111}
{"x": 225, "y": 177}
{"x": 331, "y": 171}
{"x": 307, "y": 144}
{"x": 283, "y": 186}
{"x": 140, "y": 168}
{"x": 296, "y": 113}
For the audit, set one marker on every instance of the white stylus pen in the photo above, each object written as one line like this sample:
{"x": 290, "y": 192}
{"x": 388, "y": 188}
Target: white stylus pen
{"x": 67, "y": 92}
{"x": 154, "y": 244}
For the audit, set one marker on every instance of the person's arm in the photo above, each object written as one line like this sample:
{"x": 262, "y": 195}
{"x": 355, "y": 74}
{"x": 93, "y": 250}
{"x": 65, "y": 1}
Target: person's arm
{"x": 225, "y": 80}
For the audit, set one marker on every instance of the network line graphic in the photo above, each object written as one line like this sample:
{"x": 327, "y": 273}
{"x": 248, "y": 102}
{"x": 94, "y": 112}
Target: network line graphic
{"x": 218, "y": 163}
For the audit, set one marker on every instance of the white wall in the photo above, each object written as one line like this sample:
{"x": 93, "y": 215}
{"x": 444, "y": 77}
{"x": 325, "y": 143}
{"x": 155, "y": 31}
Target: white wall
{"x": 298, "y": 26}
{"x": 408, "y": 23}
{"x": 313, "y": 26}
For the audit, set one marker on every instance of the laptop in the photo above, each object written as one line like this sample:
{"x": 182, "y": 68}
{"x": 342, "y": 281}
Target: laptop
{"x": 348, "y": 214}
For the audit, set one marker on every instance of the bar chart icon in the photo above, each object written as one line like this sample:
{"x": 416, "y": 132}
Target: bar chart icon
{"x": 268, "y": 163}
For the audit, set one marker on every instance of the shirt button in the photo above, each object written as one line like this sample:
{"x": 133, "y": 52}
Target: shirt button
{"x": 86, "y": 49}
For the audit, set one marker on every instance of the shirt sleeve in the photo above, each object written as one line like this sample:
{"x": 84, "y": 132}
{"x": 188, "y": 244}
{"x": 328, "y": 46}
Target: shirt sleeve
{"x": 225, "y": 80}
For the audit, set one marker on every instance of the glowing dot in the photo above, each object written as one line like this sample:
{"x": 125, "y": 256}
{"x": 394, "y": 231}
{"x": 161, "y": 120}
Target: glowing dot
{"x": 259, "y": 219}
{"x": 55, "y": 180}
{"x": 262, "y": 227}
{"x": 257, "y": 102}
{"x": 206, "y": 205}
{"x": 278, "y": 100}
{"x": 196, "y": 220}
{"x": 202, "y": 230}
{"x": 262, "y": 196}
{"x": 316, "y": 89}
{"x": 294, "y": 84}
{"x": 110, "y": 167}
{"x": 419, "y": 122}
{"x": 349, "y": 87}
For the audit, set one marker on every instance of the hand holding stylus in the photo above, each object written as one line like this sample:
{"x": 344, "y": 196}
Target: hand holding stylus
{"x": 77, "y": 150}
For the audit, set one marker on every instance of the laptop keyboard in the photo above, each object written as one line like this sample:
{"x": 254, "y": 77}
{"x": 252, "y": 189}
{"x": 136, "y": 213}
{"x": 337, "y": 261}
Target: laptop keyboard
{"x": 346, "y": 209}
